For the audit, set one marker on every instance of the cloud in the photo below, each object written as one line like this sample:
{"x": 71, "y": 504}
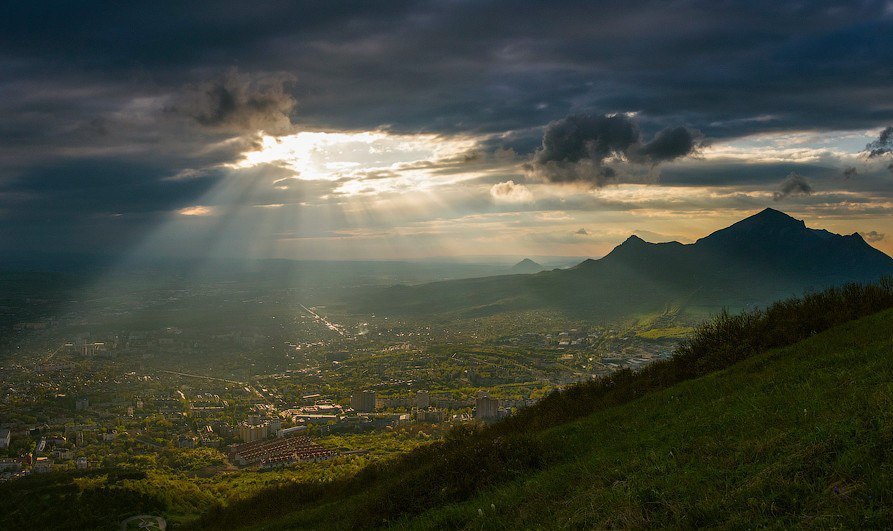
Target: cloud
{"x": 883, "y": 145}
{"x": 83, "y": 137}
{"x": 581, "y": 136}
{"x": 509, "y": 192}
{"x": 239, "y": 103}
{"x": 873, "y": 236}
{"x": 794, "y": 184}
{"x": 575, "y": 148}
{"x": 850, "y": 172}
{"x": 667, "y": 145}
{"x": 197, "y": 210}
{"x": 432, "y": 66}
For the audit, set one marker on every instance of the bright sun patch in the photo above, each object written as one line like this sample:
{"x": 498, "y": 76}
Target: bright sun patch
{"x": 197, "y": 210}
{"x": 363, "y": 162}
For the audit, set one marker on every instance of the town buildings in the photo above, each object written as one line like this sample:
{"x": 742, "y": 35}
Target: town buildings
{"x": 363, "y": 401}
{"x": 486, "y": 408}
{"x": 249, "y": 432}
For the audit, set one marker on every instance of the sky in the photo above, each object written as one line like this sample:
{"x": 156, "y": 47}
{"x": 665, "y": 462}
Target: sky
{"x": 440, "y": 129}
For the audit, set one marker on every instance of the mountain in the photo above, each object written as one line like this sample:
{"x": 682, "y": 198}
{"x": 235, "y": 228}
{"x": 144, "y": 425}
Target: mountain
{"x": 763, "y": 258}
{"x": 527, "y": 266}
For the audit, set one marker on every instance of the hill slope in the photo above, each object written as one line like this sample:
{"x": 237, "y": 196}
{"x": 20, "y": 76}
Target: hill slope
{"x": 796, "y": 436}
{"x": 766, "y": 257}
{"x": 799, "y": 435}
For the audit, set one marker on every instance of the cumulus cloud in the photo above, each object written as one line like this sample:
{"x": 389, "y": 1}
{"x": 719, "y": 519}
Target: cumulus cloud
{"x": 509, "y": 192}
{"x": 873, "y": 236}
{"x": 883, "y": 145}
{"x": 579, "y": 137}
{"x": 669, "y": 144}
{"x": 239, "y": 103}
{"x": 794, "y": 184}
{"x": 575, "y": 148}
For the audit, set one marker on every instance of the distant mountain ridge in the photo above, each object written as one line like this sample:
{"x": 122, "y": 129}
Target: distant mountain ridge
{"x": 757, "y": 260}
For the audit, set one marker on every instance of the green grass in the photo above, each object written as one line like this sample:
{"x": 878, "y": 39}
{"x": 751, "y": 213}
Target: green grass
{"x": 673, "y": 332}
{"x": 797, "y": 436}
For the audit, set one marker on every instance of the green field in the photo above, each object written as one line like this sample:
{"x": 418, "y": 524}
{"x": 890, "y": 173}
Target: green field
{"x": 673, "y": 332}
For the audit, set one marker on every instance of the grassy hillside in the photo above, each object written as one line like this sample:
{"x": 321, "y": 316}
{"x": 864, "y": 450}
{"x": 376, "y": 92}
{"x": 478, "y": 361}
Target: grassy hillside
{"x": 748, "y": 425}
{"x": 796, "y": 436}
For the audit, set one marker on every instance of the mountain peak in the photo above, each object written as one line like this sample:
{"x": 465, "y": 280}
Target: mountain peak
{"x": 770, "y": 219}
{"x": 769, "y": 211}
{"x": 758, "y": 229}
{"x": 632, "y": 247}
{"x": 773, "y": 216}
{"x": 527, "y": 266}
{"x": 632, "y": 242}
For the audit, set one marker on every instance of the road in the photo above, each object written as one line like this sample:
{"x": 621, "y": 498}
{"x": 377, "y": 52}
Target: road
{"x": 203, "y": 377}
{"x": 329, "y": 324}
{"x": 248, "y": 386}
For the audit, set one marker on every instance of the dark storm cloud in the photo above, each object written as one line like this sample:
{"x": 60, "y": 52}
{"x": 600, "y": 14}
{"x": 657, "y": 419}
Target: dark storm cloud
{"x": 585, "y": 137}
{"x": 237, "y": 103}
{"x": 494, "y": 66}
{"x": 794, "y": 184}
{"x": 667, "y": 145}
{"x": 104, "y": 186}
{"x": 850, "y": 172}
{"x": 883, "y": 145}
{"x": 759, "y": 175}
{"x": 90, "y": 206}
{"x": 575, "y": 148}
